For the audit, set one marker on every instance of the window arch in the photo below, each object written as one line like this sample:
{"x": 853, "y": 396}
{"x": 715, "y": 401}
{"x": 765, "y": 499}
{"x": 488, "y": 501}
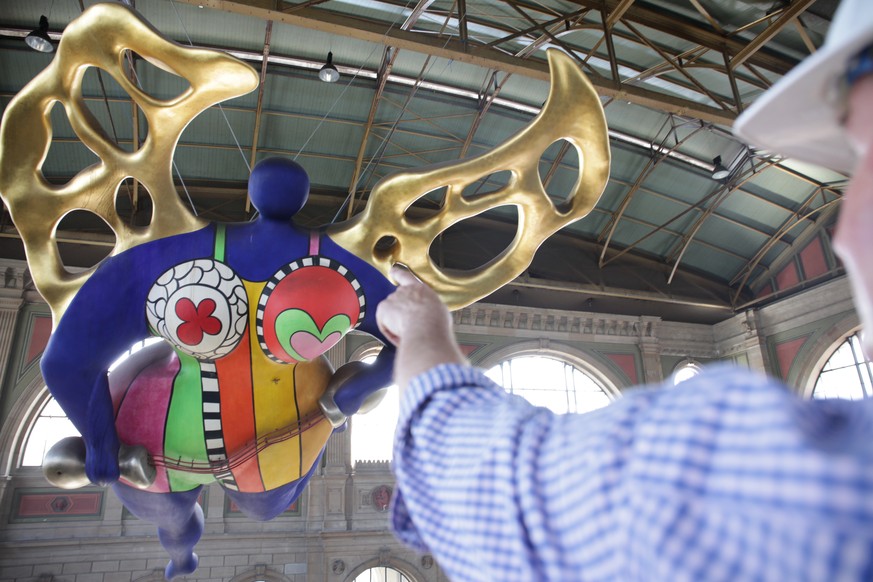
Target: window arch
{"x": 50, "y": 426}
{"x": 385, "y": 568}
{"x": 582, "y": 388}
{"x": 51, "y": 423}
{"x": 685, "y": 370}
{"x": 382, "y": 574}
{"x": 610, "y": 381}
{"x": 846, "y": 374}
{"x": 260, "y": 573}
{"x": 551, "y": 382}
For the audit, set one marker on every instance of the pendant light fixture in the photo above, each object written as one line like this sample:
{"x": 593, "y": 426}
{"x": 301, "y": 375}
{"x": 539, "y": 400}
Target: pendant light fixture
{"x": 328, "y": 72}
{"x": 719, "y": 172}
{"x": 39, "y": 39}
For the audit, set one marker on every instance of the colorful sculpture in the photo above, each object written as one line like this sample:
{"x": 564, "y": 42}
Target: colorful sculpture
{"x": 239, "y": 392}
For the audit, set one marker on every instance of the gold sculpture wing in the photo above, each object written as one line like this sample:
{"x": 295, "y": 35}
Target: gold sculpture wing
{"x": 573, "y": 112}
{"x": 100, "y": 38}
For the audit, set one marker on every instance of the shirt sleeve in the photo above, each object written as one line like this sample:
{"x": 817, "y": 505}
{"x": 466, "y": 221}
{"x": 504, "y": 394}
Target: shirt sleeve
{"x": 728, "y": 476}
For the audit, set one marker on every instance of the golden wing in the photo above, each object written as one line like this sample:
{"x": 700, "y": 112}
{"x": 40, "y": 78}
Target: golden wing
{"x": 100, "y": 38}
{"x": 573, "y": 112}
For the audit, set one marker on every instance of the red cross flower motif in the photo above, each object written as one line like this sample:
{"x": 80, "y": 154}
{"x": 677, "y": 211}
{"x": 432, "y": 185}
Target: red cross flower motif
{"x": 197, "y": 320}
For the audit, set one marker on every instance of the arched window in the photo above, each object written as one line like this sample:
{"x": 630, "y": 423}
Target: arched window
{"x": 52, "y": 424}
{"x": 259, "y": 573}
{"x": 373, "y": 431}
{"x": 847, "y": 373}
{"x": 49, "y": 427}
{"x": 381, "y": 574}
{"x": 555, "y": 384}
{"x": 685, "y": 370}
{"x": 134, "y": 349}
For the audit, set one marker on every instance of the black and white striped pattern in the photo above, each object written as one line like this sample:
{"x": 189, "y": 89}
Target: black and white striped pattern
{"x": 290, "y": 268}
{"x": 215, "y": 449}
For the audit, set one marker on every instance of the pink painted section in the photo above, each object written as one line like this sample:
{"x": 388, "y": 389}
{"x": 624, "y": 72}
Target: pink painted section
{"x": 813, "y": 259}
{"x": 787, "y": 277}
{"x": 143, "y": 412}
{"x": 765, "y": 290}
{"x": 53, "y": 504}
{"x": 314, "y": 243}
{"x": 627, "y": 363}
{"x": 39, "y": 336}
{"x": 468, "y": 349}
{"x": 786, "y": 353}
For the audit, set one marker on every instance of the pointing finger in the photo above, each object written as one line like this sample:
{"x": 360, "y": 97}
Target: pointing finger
{"x": 403, "y": 276}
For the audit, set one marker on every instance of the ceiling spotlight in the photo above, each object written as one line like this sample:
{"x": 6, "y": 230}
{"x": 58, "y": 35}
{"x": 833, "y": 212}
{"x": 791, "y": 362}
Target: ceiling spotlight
{"x": 328, "y": 72}
{"x": 39, "y": 39}
{"x": 719, "y": 172}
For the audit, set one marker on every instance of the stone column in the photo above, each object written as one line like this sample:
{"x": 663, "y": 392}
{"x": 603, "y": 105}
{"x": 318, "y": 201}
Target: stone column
{"x": 650, "y": 349}
{"x": 338, "y": 451}
{"x": 9, "y": 307}
{"x": 335, "y": 494}
{"x": 754, "y": 344}
{"x": 10, "y": 304}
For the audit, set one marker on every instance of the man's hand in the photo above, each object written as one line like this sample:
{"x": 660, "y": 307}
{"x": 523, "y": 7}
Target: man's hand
{"x": 415, "y": 320}
{"x": 413, "y": 309}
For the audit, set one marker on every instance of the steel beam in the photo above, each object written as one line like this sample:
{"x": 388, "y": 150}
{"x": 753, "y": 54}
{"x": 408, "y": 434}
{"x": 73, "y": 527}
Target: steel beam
{"x": 790, "y": 13}
{"x": 647, "y": 170}
{"x": 388, "y": 59}
{"x": 462, "y": 21}
{"x": 721, "y": 197}
{"x": 786, "y": 228}
{"x": 703, "y": 12}
{"x": 675, "y": 25}
{"x": 487, "y": 57}
{"x": 801, "y": 30}
{"x": 715, "y": 98}
{"x": 616, "y": 13}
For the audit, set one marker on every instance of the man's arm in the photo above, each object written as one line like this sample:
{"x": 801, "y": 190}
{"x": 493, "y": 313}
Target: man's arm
{"x": 726, "y": 477}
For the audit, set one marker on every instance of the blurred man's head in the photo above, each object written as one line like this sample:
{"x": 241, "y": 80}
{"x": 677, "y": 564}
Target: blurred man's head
{"x": 822, "y": 112}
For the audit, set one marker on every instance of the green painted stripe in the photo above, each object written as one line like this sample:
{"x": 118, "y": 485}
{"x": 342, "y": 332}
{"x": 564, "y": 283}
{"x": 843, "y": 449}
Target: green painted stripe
{"x": 183, "y": 437}
{"x": 220, "y": 235}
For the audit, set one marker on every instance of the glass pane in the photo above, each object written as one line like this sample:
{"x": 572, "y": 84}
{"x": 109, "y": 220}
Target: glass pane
{"x": 134, "y": 349}
{"x": 51, "y": 426}
{"x": 842, "y": 358}
{"x": 845, "y": 375}
{"x": 550, "y": 383}
{"x": 381, "y": 574}
{"x": 685, "y": 373}
{"x": 496, "y": 374}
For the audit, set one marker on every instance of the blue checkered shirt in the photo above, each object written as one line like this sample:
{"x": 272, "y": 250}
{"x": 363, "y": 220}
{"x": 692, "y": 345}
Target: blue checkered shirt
{"x": 728, "y": 476}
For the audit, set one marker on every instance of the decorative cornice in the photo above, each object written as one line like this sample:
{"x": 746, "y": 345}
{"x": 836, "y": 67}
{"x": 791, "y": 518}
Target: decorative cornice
{"x": 555, "y": 323}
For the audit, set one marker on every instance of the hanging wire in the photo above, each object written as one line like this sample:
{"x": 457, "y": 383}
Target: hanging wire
{"x": 226, "y": 120}
{"x": 185, "y": 188}
{"x": 349, "y": 84}
{"x": 425, "y": 68}
{"x": 334, "y": 104}
{"x": 314, "y": 131}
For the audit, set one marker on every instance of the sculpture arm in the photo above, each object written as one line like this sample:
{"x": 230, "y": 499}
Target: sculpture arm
{"x": 354, "y": 384}
{"x": 82, "y": 391}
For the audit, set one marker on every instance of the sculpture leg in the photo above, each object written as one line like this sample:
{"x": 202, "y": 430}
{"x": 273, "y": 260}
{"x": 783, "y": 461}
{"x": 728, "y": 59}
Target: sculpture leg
{"x": 178, "y": 517}
{"x": 266, "y": 505}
